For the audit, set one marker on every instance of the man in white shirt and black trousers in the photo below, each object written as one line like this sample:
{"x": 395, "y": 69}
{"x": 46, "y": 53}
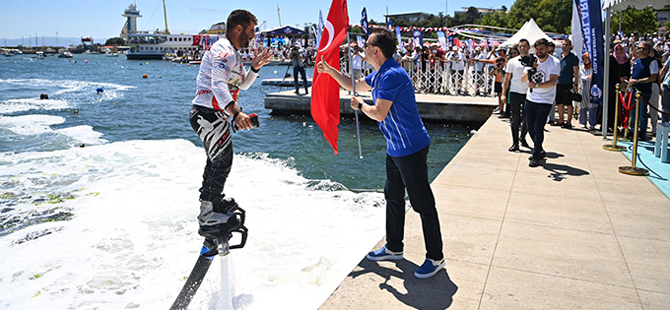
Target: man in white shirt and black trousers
{"x": 541, "y": 81}
{"x": 517, "y": 95}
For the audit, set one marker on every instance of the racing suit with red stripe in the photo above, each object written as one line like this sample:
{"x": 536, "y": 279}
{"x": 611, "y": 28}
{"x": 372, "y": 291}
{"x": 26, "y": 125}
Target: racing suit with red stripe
{"x": 221, "y": 76}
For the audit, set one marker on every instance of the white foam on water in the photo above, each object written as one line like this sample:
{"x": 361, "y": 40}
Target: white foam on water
{"x": 35, "y": 125}
{"x": 25, "y": 104}
{"x": 133, "y": 238}
{"x": 30, "y": 124}
{"x": 64, "y": 94}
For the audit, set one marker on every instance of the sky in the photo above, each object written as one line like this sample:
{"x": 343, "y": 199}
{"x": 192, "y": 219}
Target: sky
{"x": 102, "y": 19}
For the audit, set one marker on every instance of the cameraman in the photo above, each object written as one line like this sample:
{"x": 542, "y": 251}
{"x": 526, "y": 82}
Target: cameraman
{"x": 499, "y": 71}
{"x": 298, "y": 67}
{"x": 541, "y": 81}
{"x": 517, "y": 92}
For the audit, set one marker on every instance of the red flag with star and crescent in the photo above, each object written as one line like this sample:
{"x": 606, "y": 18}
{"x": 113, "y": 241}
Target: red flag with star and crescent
{"x": 325, "y": 105}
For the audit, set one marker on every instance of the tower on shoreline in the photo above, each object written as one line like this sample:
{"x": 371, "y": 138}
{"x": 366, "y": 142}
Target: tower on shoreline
{"x": 131, "y": 13}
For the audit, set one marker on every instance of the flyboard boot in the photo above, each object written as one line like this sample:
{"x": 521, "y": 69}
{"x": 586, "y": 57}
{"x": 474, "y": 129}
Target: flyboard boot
{"x": 218, "y": 223}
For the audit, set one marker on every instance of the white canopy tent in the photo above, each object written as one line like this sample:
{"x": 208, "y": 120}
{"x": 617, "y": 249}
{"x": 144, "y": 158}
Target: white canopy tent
{"x": 619, "y": 5}
{"x": 531, "y": 32}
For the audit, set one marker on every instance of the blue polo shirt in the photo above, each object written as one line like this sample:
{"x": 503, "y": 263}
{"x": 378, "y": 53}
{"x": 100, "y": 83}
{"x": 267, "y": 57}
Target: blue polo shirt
{"x": 403, "y": 129}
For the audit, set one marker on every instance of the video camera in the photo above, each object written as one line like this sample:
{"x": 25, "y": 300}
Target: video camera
{"x": 528, "y": 60}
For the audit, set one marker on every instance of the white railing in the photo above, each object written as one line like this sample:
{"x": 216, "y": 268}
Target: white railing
{"x": 439, "y": 79}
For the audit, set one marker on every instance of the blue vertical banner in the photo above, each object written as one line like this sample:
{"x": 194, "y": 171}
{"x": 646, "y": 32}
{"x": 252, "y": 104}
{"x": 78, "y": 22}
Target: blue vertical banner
{"x": 397, "y": 35}
{"x": 390, "y": 25}
{"x": 361, "y": 41}
{"x": 592, "y": 32}
{"x": 364, "y": 23}
{"x": 418, "y": 38}
{"x": 451, "y": 40}
{"x": 443, "y": 40}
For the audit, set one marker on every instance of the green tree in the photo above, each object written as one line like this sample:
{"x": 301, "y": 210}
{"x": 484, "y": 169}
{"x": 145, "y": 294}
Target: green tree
{"x": 554, "y": 15}
{"x": 469, "y": 17}
{"x": 634, "y": 20}
{"x": 496, "y": 19}
{"x": 114, "y": 41}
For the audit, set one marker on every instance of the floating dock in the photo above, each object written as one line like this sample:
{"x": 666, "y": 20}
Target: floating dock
{"x": 287, "y": 82}
{"x": 433, "y": 108}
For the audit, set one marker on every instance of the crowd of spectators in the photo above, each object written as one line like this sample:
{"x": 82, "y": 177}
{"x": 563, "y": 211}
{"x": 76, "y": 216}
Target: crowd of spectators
{"x": 640, "y": 63}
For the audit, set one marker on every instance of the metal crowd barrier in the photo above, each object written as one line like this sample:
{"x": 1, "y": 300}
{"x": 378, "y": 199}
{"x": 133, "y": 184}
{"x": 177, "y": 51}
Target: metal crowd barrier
{"x": 439, "y": 79}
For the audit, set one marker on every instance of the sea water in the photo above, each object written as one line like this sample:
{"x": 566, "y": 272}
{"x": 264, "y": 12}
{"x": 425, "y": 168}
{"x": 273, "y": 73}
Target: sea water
{"x": 99, "y": 192}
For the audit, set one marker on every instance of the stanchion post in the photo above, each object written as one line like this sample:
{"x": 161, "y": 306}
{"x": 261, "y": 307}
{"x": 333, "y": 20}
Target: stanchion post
{"x": 613, "y": 146}
{"x": 632, "y": 170}
{"x": 625, "y": 132}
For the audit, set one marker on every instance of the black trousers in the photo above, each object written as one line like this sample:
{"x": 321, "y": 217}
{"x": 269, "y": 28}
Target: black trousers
{"x": 536, "y": 117}
{"x": 516, "y": 102}
{"x": 295, "y": 77}
{"x": 214, "y": 130}
{"x": 411, "y": 173}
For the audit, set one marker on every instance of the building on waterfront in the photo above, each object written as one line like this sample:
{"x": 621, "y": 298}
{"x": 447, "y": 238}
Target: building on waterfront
{"x": 409, "y": 17}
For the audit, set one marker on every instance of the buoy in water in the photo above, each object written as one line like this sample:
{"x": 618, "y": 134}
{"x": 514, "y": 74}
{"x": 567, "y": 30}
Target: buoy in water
{"x": 99, "y": 90}
{"x": 147, "y": 62}
{"x": 76, "y": 111}
{"x": 82, "y": 145}
{"x": 275, "y": 71}
{"x": 85, "y": 60}
{"x": 44, "y": 96}
{"x": 144, "y": 76}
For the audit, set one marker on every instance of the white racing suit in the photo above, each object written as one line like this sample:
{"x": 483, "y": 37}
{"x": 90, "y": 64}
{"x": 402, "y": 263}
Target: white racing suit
{"x": 221, "y": 76}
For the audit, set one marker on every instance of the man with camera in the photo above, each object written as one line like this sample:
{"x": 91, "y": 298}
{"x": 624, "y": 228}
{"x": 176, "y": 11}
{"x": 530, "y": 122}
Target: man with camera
{"x": 541, "y": 79}
{"x": 567, "y": 83}
{"x": 517, "y": 92}
{"x": 407, "y": 142}
{"x": 298, "y": 67}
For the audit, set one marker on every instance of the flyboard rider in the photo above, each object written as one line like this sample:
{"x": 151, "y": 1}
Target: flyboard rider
{"x": 219, "y": 81}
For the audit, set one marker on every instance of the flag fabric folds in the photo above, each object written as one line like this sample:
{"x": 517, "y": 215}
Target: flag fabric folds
{"x": 325, "y": 105}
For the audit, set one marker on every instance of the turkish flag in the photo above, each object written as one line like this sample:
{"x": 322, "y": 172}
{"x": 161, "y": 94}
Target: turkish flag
{"x": 325, "y": 89}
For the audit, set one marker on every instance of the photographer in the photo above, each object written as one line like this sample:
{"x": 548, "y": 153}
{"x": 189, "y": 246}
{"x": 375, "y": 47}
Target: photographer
{"x": 298, "y": 67}
{"x": 541, "y": 79}
{"x": 499, "y": 71}
{"x": 517, "y": 92}
{"x": 567, "y": 80}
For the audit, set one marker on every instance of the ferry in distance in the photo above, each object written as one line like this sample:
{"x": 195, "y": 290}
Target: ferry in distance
{"x": 156, "y": 45}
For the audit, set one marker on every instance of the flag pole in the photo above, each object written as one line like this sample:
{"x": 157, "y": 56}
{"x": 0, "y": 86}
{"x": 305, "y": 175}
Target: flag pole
{"x": 353, "y": 86}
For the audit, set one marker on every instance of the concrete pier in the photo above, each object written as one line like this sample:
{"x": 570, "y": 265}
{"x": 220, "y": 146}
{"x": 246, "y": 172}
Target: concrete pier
{"x": 571, "y": 234}
{"x": 433, "y": 108}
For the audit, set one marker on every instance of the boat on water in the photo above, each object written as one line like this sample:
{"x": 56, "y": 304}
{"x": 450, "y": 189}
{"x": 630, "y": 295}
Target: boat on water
{"x": 65, "y": 54}
{"x": 112, "y": 54}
